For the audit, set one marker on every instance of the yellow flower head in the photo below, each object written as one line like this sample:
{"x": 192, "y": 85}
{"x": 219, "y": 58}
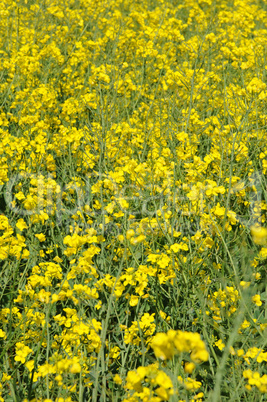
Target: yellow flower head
{"x": 259, "y": 235}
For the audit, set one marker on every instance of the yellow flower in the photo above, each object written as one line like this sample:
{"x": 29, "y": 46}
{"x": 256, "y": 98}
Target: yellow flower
{"x": 244, "y": 284}
{"x": 30, "y": 365}
{"x": 130, "y": 233}
{"x": 189, "y": 367}
{"x": 220, "y": 345}
{"x": 263, "y": 252}
{"x": 245, "y": 324}
{"x": 257, "y": 300}
{"x": 2, "y": 334}
{"x": 117, "y": 379}
{"x": 163, "y": 347}
{"x": 22, "y": 351}
{"x": 162, "y": 314}
{"x": 259, "y": 235}
{"x": 41, "y": 237}
{"x": 134, "y": 300}
{"x": 175, "y": 247}
{"x": 20, "y": 196}
{"x": 21, "y": 225}
{"x": 163, "y": 380}
{"x": 75, "y": 368}
{"x": 189, "y": 383}
{"x": 114, "y": 352}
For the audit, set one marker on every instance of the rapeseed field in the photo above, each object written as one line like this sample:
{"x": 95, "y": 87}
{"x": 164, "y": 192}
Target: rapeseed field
{"x": 133, "y": 199}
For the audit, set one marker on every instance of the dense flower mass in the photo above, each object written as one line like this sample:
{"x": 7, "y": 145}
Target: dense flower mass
{"x": 133, "y": 173}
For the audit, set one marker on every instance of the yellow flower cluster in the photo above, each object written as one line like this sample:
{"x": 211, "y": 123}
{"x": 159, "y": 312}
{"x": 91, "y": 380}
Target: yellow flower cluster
{"x": 223, "y": 303}
{"x": 11, "y": 245}
{"x": 143, "y": 328}
{"x": 165, "y": 346}
{"x": 149, "y": 384}
{"x": 256, "y": 380}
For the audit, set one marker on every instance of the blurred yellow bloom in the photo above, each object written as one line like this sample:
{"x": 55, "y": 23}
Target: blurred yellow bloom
{"x": 189, "y": 383}
{"x": 189, "y": 367}
{"x": 259, "y": 235}
{"x": 257, "y": 300}
{"x": 75, "y": 368}
{"x": 2, "y": 334}
{"x": 30, "y": 365}
{"x": 244, "y": 284}
{"x": 117, "y": 379}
